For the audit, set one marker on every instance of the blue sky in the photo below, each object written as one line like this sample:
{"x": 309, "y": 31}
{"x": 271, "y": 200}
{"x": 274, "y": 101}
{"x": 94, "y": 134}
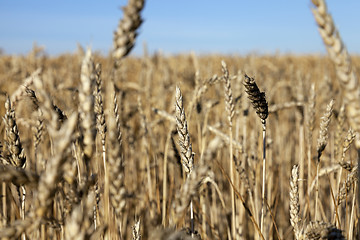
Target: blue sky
{"x": 202, "y": 26}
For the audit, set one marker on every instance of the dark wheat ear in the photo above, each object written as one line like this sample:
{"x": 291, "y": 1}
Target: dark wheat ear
{"x": 256, "y": 97}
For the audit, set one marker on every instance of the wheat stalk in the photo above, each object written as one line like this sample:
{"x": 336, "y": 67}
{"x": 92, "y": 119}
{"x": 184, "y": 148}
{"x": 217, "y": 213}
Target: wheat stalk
{"x": 229, "y": 105}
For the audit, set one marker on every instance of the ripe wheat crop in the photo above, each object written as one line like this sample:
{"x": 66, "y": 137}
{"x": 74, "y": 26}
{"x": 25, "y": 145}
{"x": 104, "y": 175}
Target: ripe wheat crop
{"x": 156, "y": 147}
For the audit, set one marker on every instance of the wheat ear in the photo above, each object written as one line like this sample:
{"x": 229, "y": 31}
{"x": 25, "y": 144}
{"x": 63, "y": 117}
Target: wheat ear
{"x": 349, "y": 139}
{"x": 187, "y": 156}
{"x": 13, "y": 143}
{"x": 126, "y": 32}
{"x": 324, "y": 129}
{"x": 99, "y": 112}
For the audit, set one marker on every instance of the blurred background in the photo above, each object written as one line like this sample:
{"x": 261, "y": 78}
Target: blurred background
{"x": 203, "y": 26}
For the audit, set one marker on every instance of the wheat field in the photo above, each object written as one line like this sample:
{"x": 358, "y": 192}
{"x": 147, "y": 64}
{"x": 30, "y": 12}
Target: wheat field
{"x": 182, "y": 146}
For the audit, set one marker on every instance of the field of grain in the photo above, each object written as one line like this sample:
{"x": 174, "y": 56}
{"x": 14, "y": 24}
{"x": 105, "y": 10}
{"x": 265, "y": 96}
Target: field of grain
{"x": 180, "y": 147}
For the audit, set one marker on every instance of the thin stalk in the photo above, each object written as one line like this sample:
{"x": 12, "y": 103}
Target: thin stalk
{"x": 302, "y": 160}
{"x": 23, "y": 196}
{"x": 317, "y": 190}
{"x": 247, "y": 209}
{"x": 192, "y": 222}
{"x": 165, "y": 179}
{"x": 4, "y": 205}
{"x": 351, "y": 227}
{"x": 264, "y": 177}
{"x": 231, "y": 169}
{"x": 104, "y": 159}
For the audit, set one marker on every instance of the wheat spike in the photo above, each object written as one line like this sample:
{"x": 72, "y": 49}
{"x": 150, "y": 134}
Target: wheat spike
{"x": 126, "y": 32}
{"x": 187, "y": 156}
{"x": 86, "y": 101}
{"x": 324, "y": 129}
{"x": 98, "y": 107}
{"x": 346, "y": 187}
{"x": 256, "y": 97}
{"x": 17, "y": 155}
{"x": 349, "y": 139}
{"x": 229, "y": 102}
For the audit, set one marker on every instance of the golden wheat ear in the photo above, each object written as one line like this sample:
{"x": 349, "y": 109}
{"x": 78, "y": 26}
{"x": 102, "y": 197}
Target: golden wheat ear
{"x": 126, "y": 32}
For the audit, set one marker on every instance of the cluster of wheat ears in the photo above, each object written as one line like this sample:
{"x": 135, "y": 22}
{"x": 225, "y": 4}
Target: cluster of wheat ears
{"x": 180, "y": 147}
